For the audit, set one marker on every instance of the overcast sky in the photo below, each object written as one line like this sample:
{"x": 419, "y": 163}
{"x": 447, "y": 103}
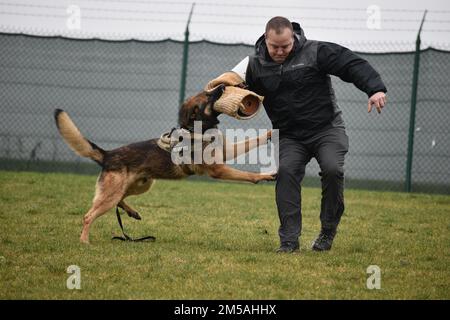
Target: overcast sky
{"x": 359, "y": 24}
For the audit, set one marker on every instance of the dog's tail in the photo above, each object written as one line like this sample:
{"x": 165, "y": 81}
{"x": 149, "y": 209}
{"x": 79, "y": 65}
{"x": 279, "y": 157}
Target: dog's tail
{"x": 73, "y": 137}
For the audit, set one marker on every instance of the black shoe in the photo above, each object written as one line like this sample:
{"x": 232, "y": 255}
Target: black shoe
{"x": 325, "y": 240}
{"x": 288, "y": 247}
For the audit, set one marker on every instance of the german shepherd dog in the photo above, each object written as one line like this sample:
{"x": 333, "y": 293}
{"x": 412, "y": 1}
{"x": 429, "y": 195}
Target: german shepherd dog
{"x": 132, "y": 169}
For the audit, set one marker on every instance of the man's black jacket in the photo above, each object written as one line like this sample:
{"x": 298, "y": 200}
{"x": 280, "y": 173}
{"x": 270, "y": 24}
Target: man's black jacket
{"x": 298, "y": 95}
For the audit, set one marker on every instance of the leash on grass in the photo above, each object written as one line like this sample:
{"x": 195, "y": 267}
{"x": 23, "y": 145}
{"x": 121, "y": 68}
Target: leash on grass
{"x": 127, "y": 237}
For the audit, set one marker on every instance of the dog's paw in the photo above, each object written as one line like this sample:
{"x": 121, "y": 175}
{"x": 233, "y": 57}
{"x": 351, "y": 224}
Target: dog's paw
{"x": 84, "y": 241}
{"x": 272, "y": 176}
{"x": 267, "y": 177}
{"x": 134, "y": 214}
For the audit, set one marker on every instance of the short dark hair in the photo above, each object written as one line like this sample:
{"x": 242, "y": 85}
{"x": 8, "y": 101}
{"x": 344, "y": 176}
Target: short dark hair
{"x": 278, "y": 24}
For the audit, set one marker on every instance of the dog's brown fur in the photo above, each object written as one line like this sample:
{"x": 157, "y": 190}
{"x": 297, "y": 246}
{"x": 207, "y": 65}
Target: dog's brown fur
{"x": 132, "y": 169}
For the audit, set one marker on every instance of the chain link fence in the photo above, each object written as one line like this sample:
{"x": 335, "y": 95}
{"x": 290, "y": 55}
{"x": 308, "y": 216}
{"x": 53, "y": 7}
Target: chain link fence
{"x": 119, "y": 92}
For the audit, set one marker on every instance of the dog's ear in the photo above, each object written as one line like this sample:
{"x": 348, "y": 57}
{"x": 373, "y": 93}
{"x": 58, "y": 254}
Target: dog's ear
{"x": 215, "y": 93}
{"x": 213, "y": 96}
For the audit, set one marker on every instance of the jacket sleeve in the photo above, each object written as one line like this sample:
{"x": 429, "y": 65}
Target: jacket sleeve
{"x": 241, "y": 68}
{"x": 339, "y": 61}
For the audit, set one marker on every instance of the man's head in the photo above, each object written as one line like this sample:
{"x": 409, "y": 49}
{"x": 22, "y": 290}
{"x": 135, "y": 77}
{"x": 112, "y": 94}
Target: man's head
{"x": 279, "y": 38}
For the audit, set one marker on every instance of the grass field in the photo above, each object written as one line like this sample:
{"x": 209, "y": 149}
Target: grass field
{"x": 216, "y": 241}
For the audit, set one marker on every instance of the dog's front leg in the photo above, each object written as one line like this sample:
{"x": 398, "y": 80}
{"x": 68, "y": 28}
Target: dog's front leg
{"x": 224, "y": 172}
{"x": 234, "y": 150}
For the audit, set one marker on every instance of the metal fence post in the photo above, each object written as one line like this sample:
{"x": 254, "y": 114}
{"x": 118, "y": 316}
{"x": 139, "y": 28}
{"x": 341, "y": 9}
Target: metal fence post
{"x": 185, "y": 59}
{"x": 412, "y": 116}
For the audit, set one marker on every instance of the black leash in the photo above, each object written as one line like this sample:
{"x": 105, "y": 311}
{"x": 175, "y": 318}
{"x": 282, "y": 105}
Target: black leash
{"x": 127, "y": 237}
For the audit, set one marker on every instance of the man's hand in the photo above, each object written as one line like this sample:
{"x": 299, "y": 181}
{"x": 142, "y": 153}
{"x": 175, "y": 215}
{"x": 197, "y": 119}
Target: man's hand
{"x": 379, "y": 100}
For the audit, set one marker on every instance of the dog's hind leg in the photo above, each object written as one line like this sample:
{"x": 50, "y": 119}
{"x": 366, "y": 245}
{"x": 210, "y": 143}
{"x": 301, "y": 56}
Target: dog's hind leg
{"x": 137, "y": 187}
{"x": 110, "y": 189}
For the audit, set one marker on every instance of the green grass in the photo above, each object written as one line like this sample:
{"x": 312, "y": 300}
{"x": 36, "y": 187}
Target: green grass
{"x": 216, "y": 241}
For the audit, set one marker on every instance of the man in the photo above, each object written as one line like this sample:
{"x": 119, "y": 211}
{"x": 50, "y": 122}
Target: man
{"x": 292, "y": 73}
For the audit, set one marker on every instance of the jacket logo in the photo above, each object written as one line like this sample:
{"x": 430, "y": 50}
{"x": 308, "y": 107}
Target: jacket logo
{"x": 297, "y": 65}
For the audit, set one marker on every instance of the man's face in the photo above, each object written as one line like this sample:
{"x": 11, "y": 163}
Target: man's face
{"x": 279, "y": 45}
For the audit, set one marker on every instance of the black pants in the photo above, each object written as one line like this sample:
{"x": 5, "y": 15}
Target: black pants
{"x": 329, "y": 148}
